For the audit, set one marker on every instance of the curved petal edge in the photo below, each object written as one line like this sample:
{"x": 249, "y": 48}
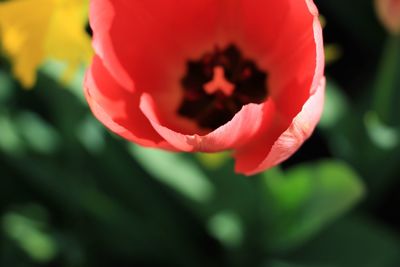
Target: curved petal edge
{"x": 299, "y": 131}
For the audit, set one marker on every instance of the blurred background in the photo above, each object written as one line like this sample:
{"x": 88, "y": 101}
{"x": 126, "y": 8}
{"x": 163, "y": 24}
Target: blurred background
{"x": 74, "y": 195}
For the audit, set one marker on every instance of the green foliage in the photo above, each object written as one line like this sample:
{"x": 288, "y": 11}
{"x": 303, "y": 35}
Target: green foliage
{"x": 387, "y": 83}
{"x": 27, "y": 233}
{"x": 306, "y": 198}
{"x": 336, "y": 106}
{"x": 175, "y": 171}
{"x": 353, "y": 241}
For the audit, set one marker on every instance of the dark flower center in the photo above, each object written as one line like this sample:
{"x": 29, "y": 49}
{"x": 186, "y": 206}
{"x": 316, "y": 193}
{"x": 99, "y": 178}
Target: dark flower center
{"x": 218, "y": 85}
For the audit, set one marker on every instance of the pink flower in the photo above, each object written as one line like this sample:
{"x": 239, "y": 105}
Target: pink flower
{"x": 209, "y": 75}
{"x": 389, "y": 13}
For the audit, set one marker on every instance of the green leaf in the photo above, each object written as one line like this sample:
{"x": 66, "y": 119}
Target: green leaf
{"x": 227, "y": 227}
{"x": 353, "y": 242}
{"x": 307, "y": 198}
{"x": 175, "y": 171}
{"x": 10, "y": 139}
{"x": 91, "y": 134}
{"x": 381, "y": 135}
{"x": 6, "y": 87}
{"x": 37, "y": 133}
{"x": 336, "y": 106}
{"x": 55, "y": 70}
{"x": 387, "y": 95}
{"x": 39, "y": 245}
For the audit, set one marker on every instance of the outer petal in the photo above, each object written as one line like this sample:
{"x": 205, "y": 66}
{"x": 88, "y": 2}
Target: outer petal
{"x": 231, "y": 135}
{"x": 286, "y": 41}
{"x": 289, "y": 96}
{"x": 118, "y": 109}
{"x": 137, "y": 39}
{"x": 300, "y": 130}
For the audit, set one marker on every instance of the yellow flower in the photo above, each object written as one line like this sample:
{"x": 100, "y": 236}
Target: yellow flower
{"x": 32, "y": 31}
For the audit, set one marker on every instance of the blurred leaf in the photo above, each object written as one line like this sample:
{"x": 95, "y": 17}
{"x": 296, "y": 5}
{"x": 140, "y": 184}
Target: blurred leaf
{"x": 55, "y": 69}
{"x": 353, "y": 242}
{"x": 387, "y": 85}
{"x": 29, "y": 235}
{"x": 383, "y": 136}
{"x": 307, "y": 198}
{"x": 6, "y": 86}
{"x": 39, "y": 135}
{"x": 175, "y": 171}
{"x": 62, "y": 108}
{"x": 91, "y": 134}
{"x": 336, "y": 105}
{"x": 234, "y": 192}
{"x": 76, "y": 195}
{"x": 364, "y": 141}
{"x": 10, "y": 139}
{"x": 227, "y": 227}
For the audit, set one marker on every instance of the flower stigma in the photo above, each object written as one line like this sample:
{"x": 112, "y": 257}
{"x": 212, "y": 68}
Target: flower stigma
{"x": 218, "y": 85}
{"x": 219, "y": 82}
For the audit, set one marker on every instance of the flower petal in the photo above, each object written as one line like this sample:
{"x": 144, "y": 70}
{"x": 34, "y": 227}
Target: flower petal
{"x": 233, "y": 134}
{"x": 30, "y": 37}
{"x": 117, "y": 108}
{"x": 23, "y": 34}
{"x": 140, "y": 39}
{"x": 288, "y": 142}
{"x": 285, "y": 39}
{"x": 289, "y": 100}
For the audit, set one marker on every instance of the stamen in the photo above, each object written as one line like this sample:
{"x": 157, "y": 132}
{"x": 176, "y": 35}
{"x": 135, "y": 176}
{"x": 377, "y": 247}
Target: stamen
{"x": 217, "y": 86}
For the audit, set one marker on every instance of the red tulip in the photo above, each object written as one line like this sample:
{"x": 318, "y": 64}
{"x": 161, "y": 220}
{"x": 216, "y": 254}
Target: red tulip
{"x": 209, "y": 75}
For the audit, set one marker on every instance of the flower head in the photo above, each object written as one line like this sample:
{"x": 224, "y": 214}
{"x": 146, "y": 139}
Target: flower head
{"x": 389, "y": 13}
{"x": 30, "y": 35}
{"x": 209, "y": 75}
